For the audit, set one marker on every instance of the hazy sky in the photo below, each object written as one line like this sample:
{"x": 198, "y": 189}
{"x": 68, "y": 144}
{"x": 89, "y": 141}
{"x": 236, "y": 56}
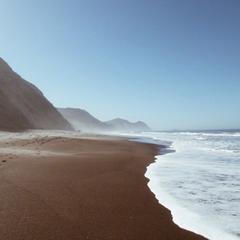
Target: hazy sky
{"x": 174, "y": 64}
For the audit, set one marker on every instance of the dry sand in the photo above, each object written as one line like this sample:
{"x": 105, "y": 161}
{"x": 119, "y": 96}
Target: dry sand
{"x": 56, "y": 187}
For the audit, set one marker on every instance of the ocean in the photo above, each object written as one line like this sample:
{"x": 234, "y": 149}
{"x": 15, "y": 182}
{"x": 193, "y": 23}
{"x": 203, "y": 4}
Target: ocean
{"x": 199, "y": 180}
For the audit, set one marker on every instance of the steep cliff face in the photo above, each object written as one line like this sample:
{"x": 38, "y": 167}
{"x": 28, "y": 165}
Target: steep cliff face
{"x": 23, "y": 106}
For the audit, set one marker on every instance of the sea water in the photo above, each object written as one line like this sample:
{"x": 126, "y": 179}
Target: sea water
{"x": 199, "y": 180}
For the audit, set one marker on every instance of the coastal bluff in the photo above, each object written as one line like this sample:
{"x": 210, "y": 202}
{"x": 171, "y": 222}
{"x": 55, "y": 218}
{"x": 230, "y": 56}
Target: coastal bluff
{"x": 23, "y": 106}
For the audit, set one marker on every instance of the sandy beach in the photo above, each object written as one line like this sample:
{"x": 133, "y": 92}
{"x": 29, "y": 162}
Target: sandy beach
{"x": 89, "y": 187}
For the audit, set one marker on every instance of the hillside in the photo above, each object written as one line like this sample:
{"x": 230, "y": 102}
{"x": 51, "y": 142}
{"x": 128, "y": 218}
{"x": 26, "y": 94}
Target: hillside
{"x": 82, "y": 120}
{"x": 119, "y": 124}
{"x": 23, "y": 106}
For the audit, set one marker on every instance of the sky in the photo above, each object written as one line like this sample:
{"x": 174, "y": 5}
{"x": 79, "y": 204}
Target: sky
{"x": 173, "y": 64}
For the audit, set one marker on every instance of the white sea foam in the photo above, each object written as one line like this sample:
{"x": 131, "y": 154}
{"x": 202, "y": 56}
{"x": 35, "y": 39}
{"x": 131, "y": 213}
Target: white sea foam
{"x": 200, "y": 181}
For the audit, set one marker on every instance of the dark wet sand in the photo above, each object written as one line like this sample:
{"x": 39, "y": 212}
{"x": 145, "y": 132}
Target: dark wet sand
{"x": 68, "y": 189}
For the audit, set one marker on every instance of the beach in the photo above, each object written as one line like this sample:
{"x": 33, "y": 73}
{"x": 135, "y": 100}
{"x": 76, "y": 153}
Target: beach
{"x": 57, "y": 187}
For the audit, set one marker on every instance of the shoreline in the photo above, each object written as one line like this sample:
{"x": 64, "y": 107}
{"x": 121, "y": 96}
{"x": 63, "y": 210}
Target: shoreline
{"x": 81, "y": 188}
{"x": 163, "y": 171}
{"x": 191, "y": 221}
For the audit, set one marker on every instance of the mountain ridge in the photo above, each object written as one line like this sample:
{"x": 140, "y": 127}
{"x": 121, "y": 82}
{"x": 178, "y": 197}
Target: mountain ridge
{"x": 83, "y": 120}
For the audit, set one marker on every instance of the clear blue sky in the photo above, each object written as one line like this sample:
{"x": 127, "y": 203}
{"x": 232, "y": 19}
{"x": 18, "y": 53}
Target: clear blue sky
{"x": 174, "y": 64}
